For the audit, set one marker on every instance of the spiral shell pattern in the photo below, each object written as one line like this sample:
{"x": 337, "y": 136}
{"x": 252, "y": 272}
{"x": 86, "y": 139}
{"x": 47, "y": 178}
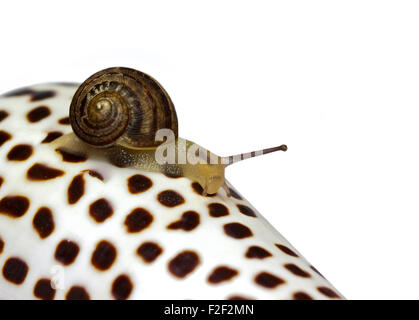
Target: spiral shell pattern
{"x": 121, "y": 106}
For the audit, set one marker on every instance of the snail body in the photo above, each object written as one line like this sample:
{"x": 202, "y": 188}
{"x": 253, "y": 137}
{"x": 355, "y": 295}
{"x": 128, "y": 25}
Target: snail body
{"x": 118, "y": 113}
{"x": 209, "y": 176}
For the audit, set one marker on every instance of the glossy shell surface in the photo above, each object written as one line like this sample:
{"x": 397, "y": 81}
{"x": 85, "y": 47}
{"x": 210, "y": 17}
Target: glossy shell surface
{"x": 73, "y": 227}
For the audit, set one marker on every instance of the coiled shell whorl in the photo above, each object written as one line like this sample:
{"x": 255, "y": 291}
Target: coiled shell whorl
{"x": 121, "y": 106}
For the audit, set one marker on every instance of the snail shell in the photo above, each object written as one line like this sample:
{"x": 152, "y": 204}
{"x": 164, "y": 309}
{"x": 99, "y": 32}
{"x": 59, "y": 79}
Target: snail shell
{"x": 121, "y": 106}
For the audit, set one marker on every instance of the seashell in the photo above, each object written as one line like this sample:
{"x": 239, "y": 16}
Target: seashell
{"x": 73, "y": 226}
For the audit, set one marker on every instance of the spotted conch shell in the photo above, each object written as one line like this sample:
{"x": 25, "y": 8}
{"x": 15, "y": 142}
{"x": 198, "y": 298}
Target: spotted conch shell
{"x": 74, "y": 227}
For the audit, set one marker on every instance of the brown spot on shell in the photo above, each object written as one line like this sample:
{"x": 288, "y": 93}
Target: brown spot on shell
{"x": 77, "y": 293}
{"x": 100, "y": 210}
{"x": 20, "y": 152}
{"x": 149, "y": 251}
{"x": 139, "y": 183}
{"x": 1, "y": 181}
{"x": 234, "y": 194}
{"x": 4, "y": 136}
{"x": 256, "y": 252}
{"x": 42, "y": 172}
{"x": 138, "y": 220}
{"x": 317, "y": 271}
{"x": 38, "y": 114}
{"x": 188, "y": 221}
{"x": 51, "y": 136}
{"x": 301, "y": 296}
{"x": 94, "y": 174}
{"x": 35, "y": 95}
{"x": 71, "y": 156}
{"x": 217, "y": 210}
{"x": 170, "y": 198}
{"x": 66, "y": 252}
{"x": 246, "y": 210}
{"x": 286, "y": 250}
{"x": 198, "y": 189}
{"x": 41, "y": 95}
{"x": 104, "y": 255}
{"x": 75, "y": 189}
{"x": 64, "y": 121}
{"x": 19, "y": 92}
{"x": 43, "y": 222}
{"x": 222, "y": 274}
{"x": 296, "y": 270}
{"x": 1, "y": 245}
{"x": 328, "y": 292}
{"x": 183, "y": 264}
{"x": 268, "y": 280}
{"x": 44, "y": 290}
{"x": 15, "y": 270}
{"x": 14, "y": 206}
{"x": 237, "y": 297}
{"x": 122, "y": 287}
{"x": 3, "y": 115}
{"x": 237, "y": 230}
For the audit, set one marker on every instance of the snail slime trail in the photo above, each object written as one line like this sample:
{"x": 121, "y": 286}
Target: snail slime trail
{"x": 120, "y": 114}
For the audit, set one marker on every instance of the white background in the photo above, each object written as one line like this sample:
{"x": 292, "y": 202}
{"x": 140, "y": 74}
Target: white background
{"x": 337, "y": 81}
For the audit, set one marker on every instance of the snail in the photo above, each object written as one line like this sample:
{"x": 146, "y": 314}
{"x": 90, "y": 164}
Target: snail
{"x": 126, "y": 116}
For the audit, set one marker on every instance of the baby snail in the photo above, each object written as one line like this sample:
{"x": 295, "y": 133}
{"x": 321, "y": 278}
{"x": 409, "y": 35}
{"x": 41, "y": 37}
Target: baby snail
{"x": 126, "y": 116}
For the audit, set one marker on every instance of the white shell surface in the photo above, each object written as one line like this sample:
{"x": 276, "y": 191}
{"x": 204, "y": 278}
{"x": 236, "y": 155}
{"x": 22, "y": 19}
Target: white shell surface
{"x": 284, "y": 275}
